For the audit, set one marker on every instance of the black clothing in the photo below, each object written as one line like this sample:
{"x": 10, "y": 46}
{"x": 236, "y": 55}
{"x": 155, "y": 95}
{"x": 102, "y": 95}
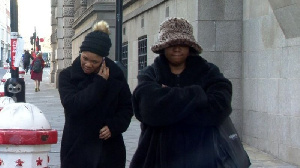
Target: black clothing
{"x": 178, "y": 121}
{"x": 26, "y": 60}
{"x": 91, "y": 102}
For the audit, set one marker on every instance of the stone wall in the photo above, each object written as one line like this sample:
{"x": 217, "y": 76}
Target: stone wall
{"x": 271, "y": 85}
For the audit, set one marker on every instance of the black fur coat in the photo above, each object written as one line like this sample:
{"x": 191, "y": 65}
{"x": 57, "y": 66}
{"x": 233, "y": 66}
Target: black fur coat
{"x": 178, "y": 121}
{"x": 91, "y": 102}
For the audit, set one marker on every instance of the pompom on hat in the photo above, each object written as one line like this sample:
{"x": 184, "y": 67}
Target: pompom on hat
{"x": 98, "y": 40}
{"x": 175, "y": 31}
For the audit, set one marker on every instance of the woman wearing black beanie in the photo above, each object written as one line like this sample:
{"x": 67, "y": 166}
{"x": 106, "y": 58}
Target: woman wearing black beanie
{"x": 97, "y": 105}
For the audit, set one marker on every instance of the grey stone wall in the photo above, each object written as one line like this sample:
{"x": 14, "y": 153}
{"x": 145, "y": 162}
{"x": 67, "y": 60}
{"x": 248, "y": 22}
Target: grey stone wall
{"x": 272, "y": 77}
{"x": 219, "y": 27}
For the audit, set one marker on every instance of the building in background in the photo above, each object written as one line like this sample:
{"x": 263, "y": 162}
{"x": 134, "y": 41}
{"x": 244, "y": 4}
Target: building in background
{"x": 4, "y": 31}
{"x": 71, "y": 21}
{"x": 256, "y": 44}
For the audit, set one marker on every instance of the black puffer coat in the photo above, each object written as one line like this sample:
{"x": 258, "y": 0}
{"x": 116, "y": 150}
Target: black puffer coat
{"x": 91, "y": 102}
{"x": 178, "y": 121}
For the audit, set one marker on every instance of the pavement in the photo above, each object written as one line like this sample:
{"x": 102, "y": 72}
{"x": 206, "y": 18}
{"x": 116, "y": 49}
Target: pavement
{"x": 48, "y": 101}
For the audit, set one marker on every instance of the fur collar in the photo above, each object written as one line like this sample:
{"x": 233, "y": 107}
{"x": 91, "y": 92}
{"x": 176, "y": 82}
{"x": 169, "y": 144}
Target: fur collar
{"x": 195, "y": 67}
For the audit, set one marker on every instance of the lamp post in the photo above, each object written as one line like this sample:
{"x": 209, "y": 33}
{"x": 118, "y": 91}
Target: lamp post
{"x": 14, "y": 87}
{"x": 118, "y": 48}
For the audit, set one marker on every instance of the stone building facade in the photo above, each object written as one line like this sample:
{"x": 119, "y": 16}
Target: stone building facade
{"x": 71, "y": 21}
{"x": 4, "y": 31}
{"x": 255, "y": 43}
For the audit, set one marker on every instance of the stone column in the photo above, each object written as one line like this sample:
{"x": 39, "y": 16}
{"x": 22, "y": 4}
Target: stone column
{"x": 68, "y": 32}
{"x": 62, "y": 33}
{"x": 53, "y": 39}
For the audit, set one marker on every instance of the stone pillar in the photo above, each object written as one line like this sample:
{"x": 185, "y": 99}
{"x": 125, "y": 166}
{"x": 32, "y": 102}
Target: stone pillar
{"x": 53, "y": 39}
{"x": 62, "y": 33}
{"x": 68, "y": 32}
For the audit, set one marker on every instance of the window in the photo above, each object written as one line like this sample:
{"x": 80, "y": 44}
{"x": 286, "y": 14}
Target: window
{"x": 142, "y": 52}
{"x": 124, "y": 56}
{"x": 142, "y": 23}
{"x": 124, "y": 30}
{"x": 167, "y": 12}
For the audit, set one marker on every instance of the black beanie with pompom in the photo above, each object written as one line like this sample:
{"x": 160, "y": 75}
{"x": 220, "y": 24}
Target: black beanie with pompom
{"x": 97, "y": 42}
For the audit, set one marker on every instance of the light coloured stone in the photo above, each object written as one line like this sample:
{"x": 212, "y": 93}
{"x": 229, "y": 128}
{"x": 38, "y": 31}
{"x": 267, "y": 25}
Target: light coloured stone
{"x": 207, "y": 35}
{"x": 68, "y": 32}
{"x": 68, "y": 11}
{"x": 58, "y": 12}
{"x": 237, "y": 100}
{"x": 228, "y": 36}
{"x": 289, "y": 154}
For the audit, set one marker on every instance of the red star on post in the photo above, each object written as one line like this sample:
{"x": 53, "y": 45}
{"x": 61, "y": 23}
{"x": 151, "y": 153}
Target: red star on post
{"x": 39, "y": 162}
{"x": 19, "y": 162}
{"x": 1, "y": 162}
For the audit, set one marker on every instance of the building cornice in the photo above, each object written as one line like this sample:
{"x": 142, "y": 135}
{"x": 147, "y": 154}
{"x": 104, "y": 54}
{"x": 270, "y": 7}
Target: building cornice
{"x": 149, "y": 5}
{"x": 95, "y": 8}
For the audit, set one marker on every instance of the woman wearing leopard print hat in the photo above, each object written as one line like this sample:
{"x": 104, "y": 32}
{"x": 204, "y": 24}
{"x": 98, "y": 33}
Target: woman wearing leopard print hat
{"x": 180, "y": 100}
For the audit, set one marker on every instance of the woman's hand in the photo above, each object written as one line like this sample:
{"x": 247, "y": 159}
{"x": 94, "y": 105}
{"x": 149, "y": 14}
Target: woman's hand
{"x": 104, "y": 71}
{"x": 104, "y": 133}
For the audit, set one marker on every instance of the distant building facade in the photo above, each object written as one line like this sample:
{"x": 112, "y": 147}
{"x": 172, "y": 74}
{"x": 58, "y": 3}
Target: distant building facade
{"x": 256, "y": 44}
{"x": 4, "y": 30}
{"x": 71, "y": 21}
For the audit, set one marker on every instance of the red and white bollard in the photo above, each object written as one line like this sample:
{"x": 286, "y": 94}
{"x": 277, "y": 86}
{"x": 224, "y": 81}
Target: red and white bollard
{"x": 25, "y": 137}
{"x": 2, "y": 91}
{"x": 5, "y": 100}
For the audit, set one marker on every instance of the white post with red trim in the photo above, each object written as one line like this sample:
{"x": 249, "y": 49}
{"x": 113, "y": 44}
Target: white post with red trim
{"x": 5, "y": 100}
{"x": 25, "y": 137}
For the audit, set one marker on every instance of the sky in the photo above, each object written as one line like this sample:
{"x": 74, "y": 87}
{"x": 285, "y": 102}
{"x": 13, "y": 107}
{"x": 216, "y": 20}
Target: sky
{"x": 34, "y": 14}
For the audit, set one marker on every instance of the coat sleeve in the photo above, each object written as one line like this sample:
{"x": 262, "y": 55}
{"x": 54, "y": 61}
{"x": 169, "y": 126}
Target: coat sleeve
{"x": 75, "y": 101}
{"x": 205, "y": 104}
{"x": 120, "y": 120}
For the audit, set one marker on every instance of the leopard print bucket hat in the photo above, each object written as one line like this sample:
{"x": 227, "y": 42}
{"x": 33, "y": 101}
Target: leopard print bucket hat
{"x": 175, "y": 31}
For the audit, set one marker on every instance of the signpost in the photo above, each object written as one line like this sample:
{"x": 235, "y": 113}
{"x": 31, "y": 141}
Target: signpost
{"x": 15, "y": 86}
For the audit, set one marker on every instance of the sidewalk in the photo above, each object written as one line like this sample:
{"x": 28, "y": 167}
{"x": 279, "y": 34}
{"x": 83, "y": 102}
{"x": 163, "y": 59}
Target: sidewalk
{"x": 49, "y": 102}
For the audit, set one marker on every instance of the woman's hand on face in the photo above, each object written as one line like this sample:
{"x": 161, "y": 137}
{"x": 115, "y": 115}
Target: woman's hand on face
{"x": 104, "y": 133}
{"x": 104, "y": 71}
